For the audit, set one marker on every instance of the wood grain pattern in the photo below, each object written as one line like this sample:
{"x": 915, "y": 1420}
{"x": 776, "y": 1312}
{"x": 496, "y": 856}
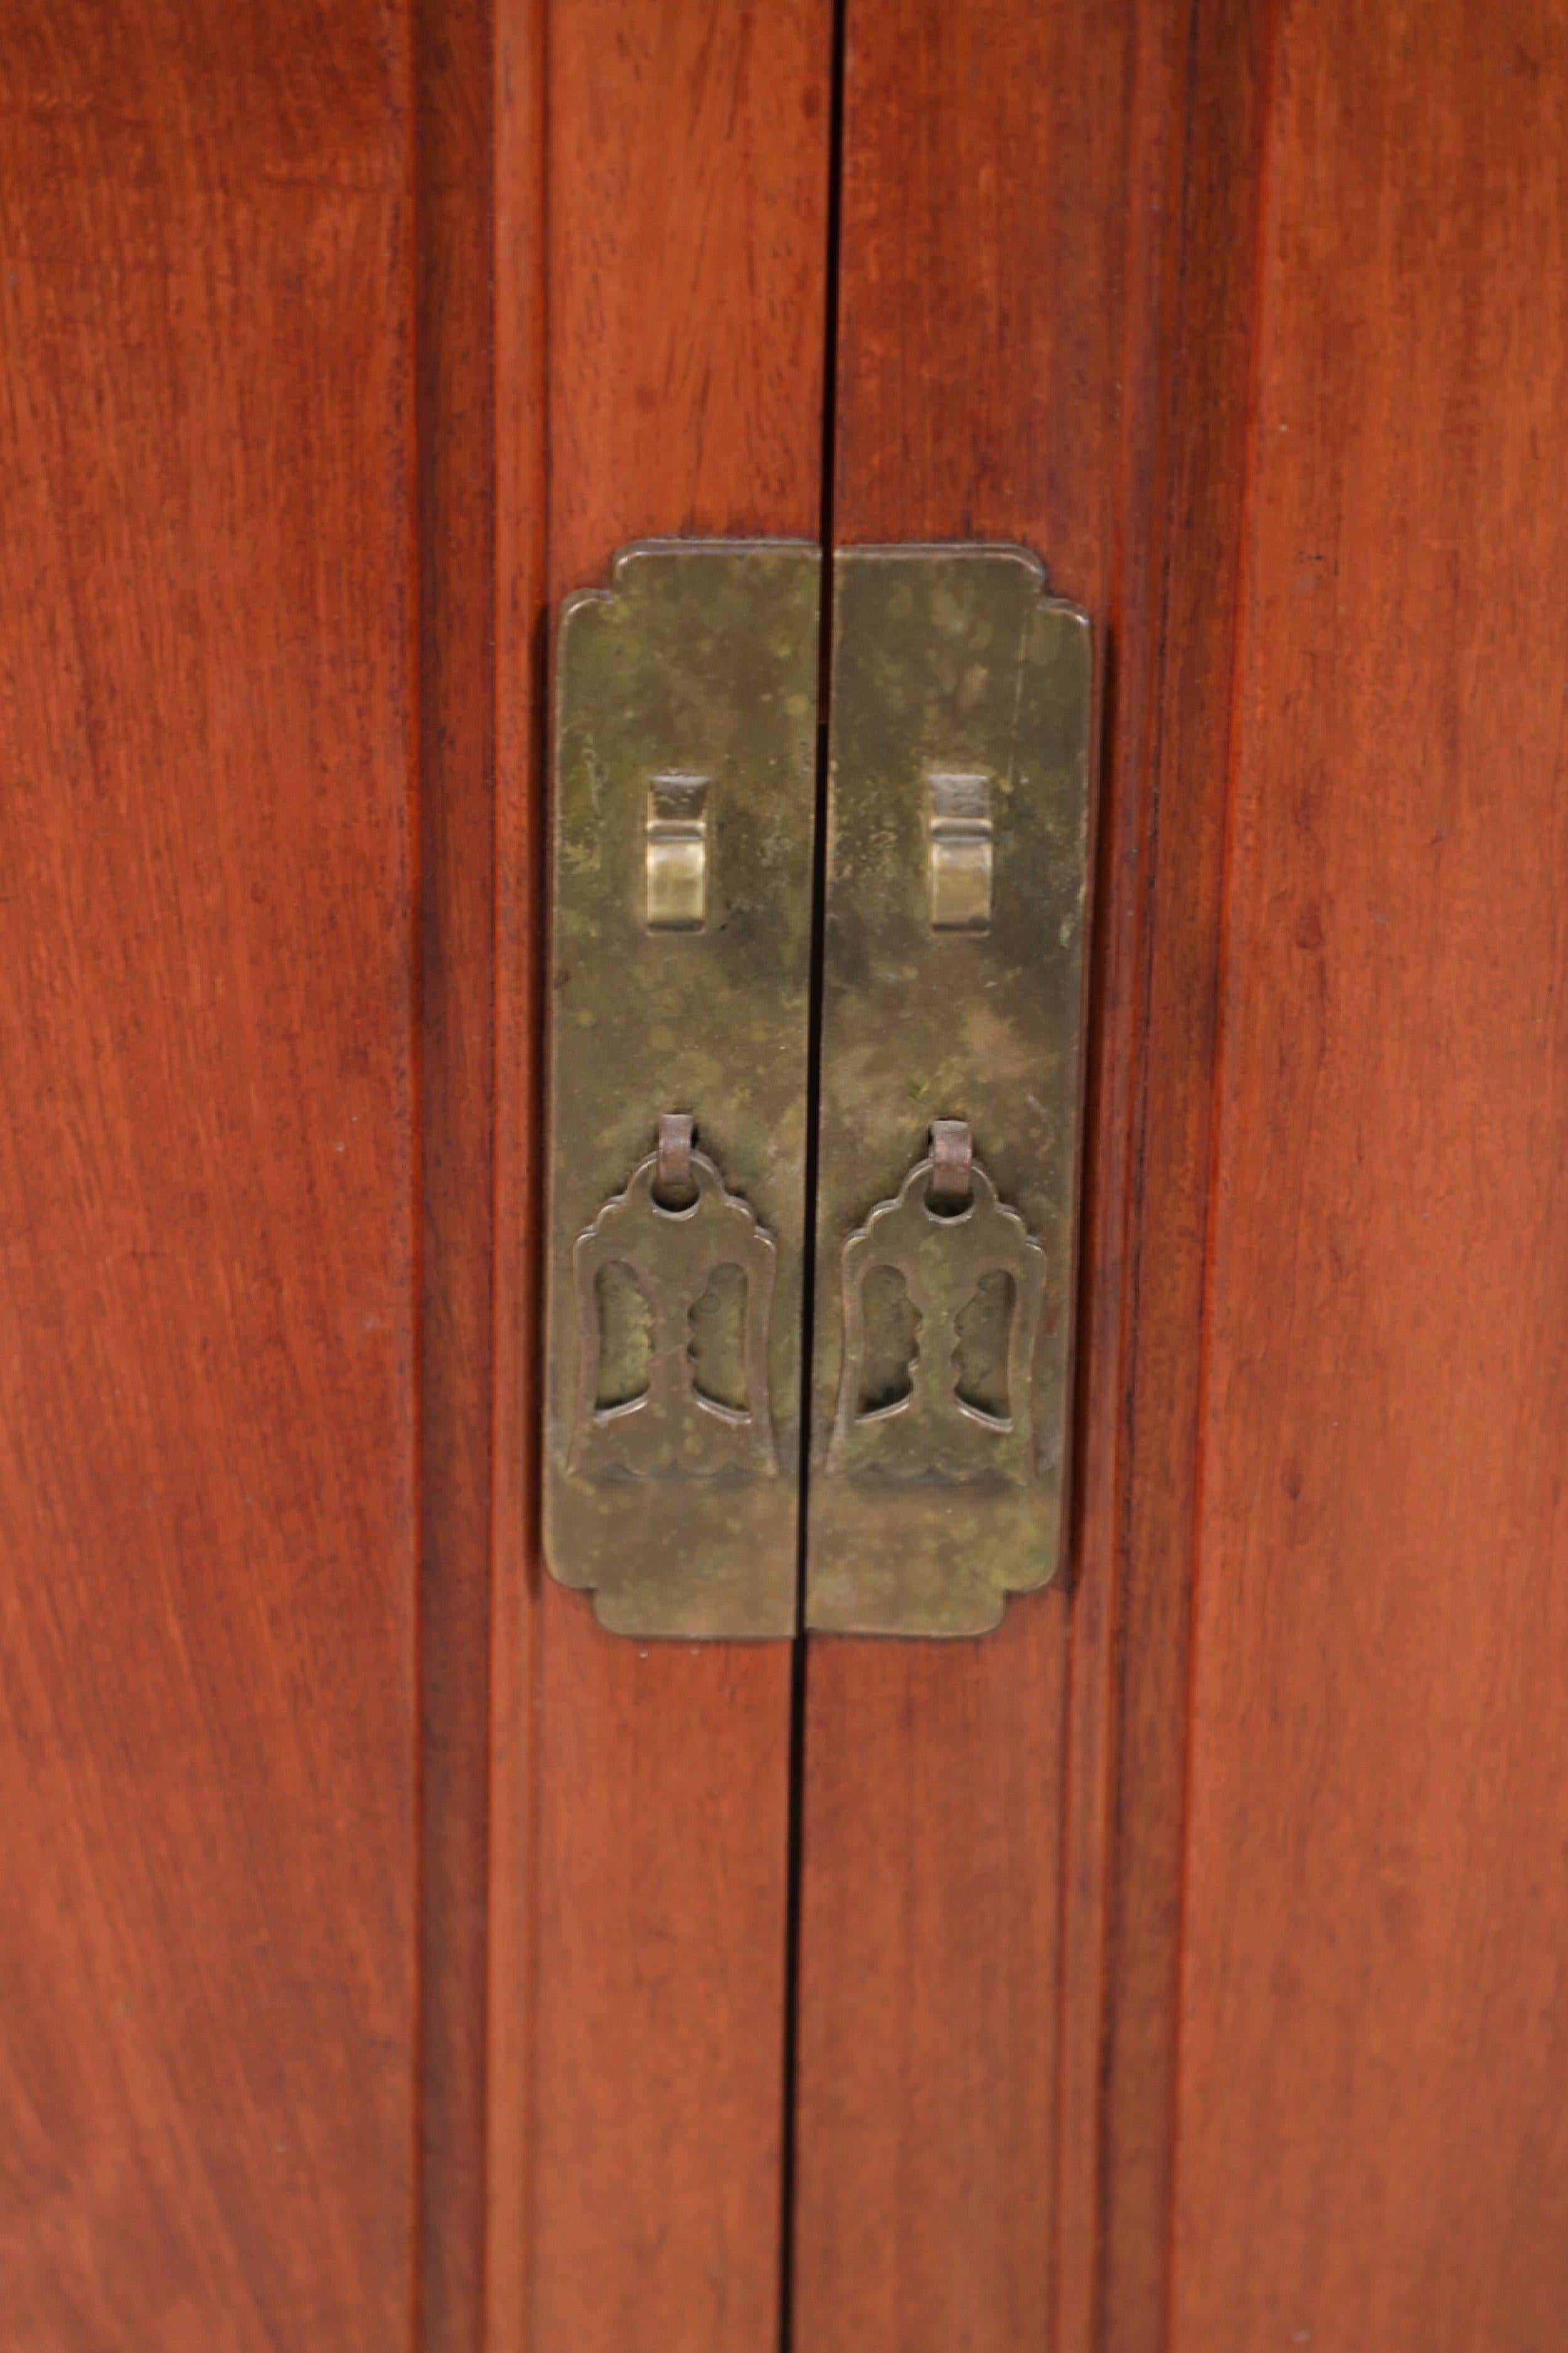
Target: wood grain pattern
{"x": 1374, "y": 2146}
{"x": 520, "y": 193}
{"x": 687, "y": 249}
{"x": 1165, "y": 871}
{"x": 206, "y": 1161}
{"x": 1006, "y": 179}
{"x": 1236, "y": 311}
{"x": 454, "y": 135}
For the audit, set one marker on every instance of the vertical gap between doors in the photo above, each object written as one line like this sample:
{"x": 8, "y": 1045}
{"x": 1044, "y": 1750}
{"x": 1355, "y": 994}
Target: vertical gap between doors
{"x": 787, "y": 2169}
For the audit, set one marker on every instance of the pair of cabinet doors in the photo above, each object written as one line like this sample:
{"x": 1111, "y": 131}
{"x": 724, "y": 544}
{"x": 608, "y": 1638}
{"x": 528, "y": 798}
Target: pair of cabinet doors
{"x": 391, "y": 1959}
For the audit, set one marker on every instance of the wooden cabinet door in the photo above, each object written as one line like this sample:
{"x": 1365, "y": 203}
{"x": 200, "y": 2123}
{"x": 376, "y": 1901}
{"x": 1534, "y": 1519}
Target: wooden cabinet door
{"x": 1179, "y": 1966}
{"x": 209, "y": 1451}
{"x": 387, "y": 1957}
{"x": 679, "y": 253}
{"x": 392, "y": 1961}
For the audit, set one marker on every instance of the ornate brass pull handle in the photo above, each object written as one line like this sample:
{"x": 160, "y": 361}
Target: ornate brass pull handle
{"x": 684, "y": 811}
{"x": 952, "y": 1010}
{"x": 950, "y": 1013}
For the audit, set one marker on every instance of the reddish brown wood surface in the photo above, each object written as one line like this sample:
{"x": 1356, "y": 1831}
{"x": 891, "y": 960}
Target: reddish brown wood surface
{"x": 686, "y": 206}
{"x": 1157, "y": 1046}
{"x": 1235, "y": 314}
{"x": 1373, "y": 2143}
{"x": 207, "y": 1167}
{"x": 454, "y": 135}
{"x": 519, "y": 188}
{"x": 1008, "y": 177}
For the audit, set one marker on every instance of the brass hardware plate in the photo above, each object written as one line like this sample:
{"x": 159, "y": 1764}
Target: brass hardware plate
{"x": 957, "y": 869}
{"x": 681, "y": 949}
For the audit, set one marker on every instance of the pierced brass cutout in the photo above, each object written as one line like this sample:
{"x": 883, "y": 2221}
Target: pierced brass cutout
{"x": 670, "y": 1426}
{"x": 943, "y": 1252}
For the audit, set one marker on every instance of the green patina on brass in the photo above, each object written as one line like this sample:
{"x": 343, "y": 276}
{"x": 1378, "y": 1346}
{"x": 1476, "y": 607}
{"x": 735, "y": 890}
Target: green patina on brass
{"x": 957, "y": 865}
{"x": 680, "y": 952}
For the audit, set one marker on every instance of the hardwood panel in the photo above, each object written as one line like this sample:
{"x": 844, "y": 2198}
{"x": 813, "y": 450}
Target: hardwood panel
{"x": 207, "y": 1167}
{"x": 1170, "y": 810}
{"x": 519, "y": 192}
{"x": 1373, "y": 2146}
{"x": 453, "y": 67}
{"x": 1008, "y": 184}
{"x": 687, "y": 247}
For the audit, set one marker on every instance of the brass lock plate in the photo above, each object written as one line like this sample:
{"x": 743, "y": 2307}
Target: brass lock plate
{"x": 685, "y": 785}
{"x": 957, "y": 862}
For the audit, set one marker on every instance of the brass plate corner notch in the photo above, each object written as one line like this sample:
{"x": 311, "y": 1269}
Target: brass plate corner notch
{"x": 952, "y": 1051}
{"x": 680, "y": 956}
